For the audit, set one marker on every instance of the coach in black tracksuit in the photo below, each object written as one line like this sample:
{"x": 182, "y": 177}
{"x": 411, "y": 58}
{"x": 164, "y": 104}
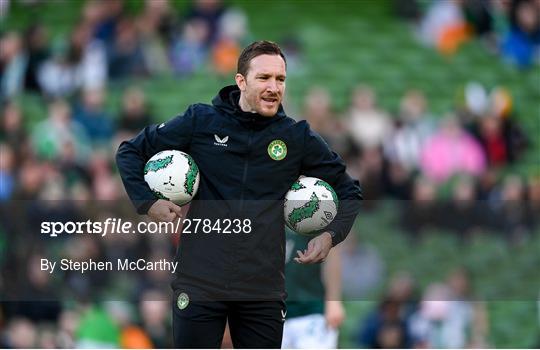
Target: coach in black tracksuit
{"x": 249, "y": 153}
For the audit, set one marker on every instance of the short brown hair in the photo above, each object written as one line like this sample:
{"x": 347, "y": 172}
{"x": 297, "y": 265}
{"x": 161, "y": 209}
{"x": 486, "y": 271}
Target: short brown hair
{"x": 255, "y": 49}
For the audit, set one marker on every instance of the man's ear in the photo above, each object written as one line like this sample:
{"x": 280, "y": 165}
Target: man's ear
{"x": 240, "y": 81}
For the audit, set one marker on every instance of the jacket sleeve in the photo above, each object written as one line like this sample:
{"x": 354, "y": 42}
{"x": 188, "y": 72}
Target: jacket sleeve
{"x": 132, "y": 155}
{"x": 321, "y": 162}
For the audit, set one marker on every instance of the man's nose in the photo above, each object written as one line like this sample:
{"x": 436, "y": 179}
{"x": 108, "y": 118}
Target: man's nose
{"x": 272, "y": 85}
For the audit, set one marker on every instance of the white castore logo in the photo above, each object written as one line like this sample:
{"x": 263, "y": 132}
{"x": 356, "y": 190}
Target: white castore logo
{"x": 221, "y": 142}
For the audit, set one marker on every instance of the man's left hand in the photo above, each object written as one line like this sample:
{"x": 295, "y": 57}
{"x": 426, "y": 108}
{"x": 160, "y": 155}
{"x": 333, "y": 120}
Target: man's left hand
{"x": 316, "y": 251}
{"x": 334, "y": 313}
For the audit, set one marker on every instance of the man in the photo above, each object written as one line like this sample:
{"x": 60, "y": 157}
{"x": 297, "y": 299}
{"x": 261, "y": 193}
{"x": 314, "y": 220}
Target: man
{"x": 239, "y": 277}
{"x": 314, "y": 307}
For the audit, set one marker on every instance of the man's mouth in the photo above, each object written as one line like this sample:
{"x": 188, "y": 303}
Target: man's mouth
{"x": 269, "y": 99}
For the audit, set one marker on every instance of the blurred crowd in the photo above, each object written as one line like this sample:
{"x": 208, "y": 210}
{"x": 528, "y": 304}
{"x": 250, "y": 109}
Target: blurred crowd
{"x": 510, "y": 28}
{"x": 446, "y": 172}
{"x": 110, "y": 43}
{"x": 440, "y": 168}
{"x": 444, "y": 316}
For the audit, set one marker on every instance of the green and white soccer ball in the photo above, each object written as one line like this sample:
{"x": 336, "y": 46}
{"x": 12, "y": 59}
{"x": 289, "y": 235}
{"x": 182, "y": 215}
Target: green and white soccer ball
{"x": 310, "y": 205}
{"x": 172, "y": 175}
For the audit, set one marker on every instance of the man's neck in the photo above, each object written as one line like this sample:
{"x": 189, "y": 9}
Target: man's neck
{"x": 244, "y": 106}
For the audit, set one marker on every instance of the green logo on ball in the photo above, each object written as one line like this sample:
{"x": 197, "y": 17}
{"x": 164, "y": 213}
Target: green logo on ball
{"x": 191, "y": 176}
{"x": 158, "y": 164}
{"x": 306, "y": 211}
{"x": 329, "y": 188}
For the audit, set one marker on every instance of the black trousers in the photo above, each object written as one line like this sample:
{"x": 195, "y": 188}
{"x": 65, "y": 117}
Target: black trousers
{"x": 252, "y": 324}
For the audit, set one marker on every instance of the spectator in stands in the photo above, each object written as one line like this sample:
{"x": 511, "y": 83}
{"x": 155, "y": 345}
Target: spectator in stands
{"x": 134, "y": 337}
{"x": 29, "y": 181}
{"x": 89, "y": 56}
{"x": 500, "y": 137}
{"x": 156, "y": 26}
{"x": 189, "y": 52}
{"x": 510, "y": 212}
{"x": 36, "y": 42}
{"x": 479, "y": 16}
{"x": 20, "y": 334}
{"x": 475, "y": 104}
{"x": 90, "y": 113}
{"x": 51, "y": 135}
{"x": 464, "y": 214}
{"x": 233, "y": 24}
{"x": 385, "y": 328}
{"x": 103, "y": 18}
{"x": 447, "y": 317}
{"x": 533, "y": 197}
{"x": 105, "y": 185}
{"x": 486, "y": 185}
{"x": 82, "y": 65}
{"x": 67, "y": 325}
{"x": 371, "y": 172}
{"x": 444, "y": 26}
{"x": 225, "y": 53}
{"x": 13, "y": 63}
{"x": 451, "y": 151}
{"x": 154, "y": 311}
{"x": 475, "y": 326}
{"x": 232, "y": 31}
{"x": 414, "y": 128}
{"x": 435, "y": 324}
{"x": 209, "y": 12}
{"x": 397, "y": 180}
{"x": 318, "y": 111}
{"x": 521, "y": 44}
{"x": 294, "y": 49}
{"x": 362, "y": 268}
{"x": 4, "y": 9}
{"x": 369, "y": 126}
{"x": 7, "y": 172}
{"x": 423, "y": 212}
{"x": 58, "y": 76}
{"x": 126, "y": 58}
{"x": 12, "y": 131}
{"x": 402, "y": 288}
{"x": 47, "y": 337}
{"x": 96, "y": 329}
{"x": 163, "y": 16}
{"x": 514, "y": 135}
{"x": 38, "y": 298}
{"x": 134, "y": 113}
{"x": 75, "y": 172}
{"x": 491, "y": 137}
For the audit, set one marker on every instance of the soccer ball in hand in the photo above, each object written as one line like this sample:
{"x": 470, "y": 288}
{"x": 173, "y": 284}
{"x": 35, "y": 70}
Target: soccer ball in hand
{"x": 172, "y": 175}
{"x": 310, "y": 205}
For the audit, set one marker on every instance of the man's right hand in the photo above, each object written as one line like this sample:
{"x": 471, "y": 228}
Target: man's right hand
{"x": 164, "y": 211}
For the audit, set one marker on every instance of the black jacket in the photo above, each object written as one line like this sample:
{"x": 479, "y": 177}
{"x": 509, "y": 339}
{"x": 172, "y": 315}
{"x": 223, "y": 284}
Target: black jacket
{"x": 238, "y": 180}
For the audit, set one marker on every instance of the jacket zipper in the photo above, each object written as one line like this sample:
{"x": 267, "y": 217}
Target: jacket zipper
{"x": 246, "y": 165}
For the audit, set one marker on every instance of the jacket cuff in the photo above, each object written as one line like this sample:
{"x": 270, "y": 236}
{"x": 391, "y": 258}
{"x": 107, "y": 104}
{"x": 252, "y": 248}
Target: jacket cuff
{"x": 144, "y": 206}
{"x": 336, "y": 239}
